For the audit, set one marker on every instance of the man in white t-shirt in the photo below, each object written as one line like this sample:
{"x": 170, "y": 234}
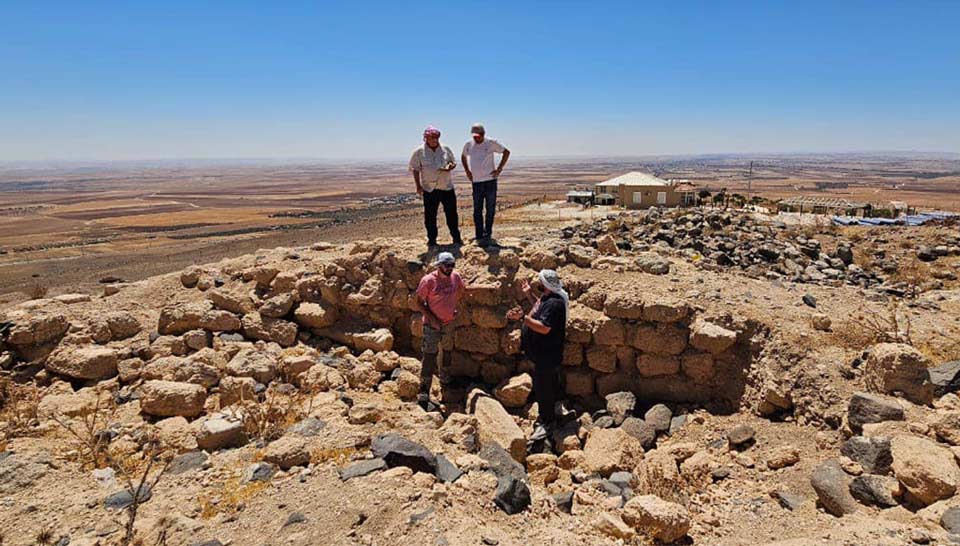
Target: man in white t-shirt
{"x": 478, "y": 162}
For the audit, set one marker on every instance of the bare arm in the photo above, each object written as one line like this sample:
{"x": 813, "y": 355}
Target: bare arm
{"x": 503, "y": 160}
{"x": 416, "y": 180}
{"x": 466, "y": 167}
{"x": 536, "y": 325}
{"x": 431, "y": 318}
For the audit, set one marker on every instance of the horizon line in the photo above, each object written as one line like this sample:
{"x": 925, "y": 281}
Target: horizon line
{"x": 266, "y": 159}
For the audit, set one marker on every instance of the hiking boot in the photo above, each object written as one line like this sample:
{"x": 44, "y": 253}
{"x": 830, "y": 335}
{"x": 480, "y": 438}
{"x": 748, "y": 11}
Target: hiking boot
{"x": 540, "y": 432}
{"x": 425, "y": 404}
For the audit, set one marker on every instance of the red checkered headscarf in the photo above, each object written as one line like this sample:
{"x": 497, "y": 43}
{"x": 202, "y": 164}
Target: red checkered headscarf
{"x": 430, "y": 131}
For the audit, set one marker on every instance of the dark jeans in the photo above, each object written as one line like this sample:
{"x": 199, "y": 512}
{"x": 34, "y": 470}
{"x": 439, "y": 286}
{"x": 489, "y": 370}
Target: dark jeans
{"x": 431, "y": 202}
{"x": 546, "y": 386}
{"x": 484, "y": 193}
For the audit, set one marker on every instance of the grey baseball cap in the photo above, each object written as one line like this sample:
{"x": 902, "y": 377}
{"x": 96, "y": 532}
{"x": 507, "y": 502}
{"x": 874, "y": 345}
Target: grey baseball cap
{"x": 445, "y": 258}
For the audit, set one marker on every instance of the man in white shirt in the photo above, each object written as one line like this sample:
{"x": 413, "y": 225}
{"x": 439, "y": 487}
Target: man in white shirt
{"x": 431, "y": 165}
{"x": 478, "y": 162}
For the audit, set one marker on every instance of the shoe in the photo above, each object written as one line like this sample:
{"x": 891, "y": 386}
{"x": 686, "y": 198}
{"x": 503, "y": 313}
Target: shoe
{"x": 540, "y": 432}
{"x": 458, "y": 242}
{"x": 425, "y": 404}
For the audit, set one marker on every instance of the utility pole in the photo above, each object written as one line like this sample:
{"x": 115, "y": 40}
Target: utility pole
{"x": 750, "y": 179}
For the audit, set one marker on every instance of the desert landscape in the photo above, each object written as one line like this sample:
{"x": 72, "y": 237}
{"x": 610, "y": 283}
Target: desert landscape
{"x": 72, "y": 224}
{"x": 728, "y": 378}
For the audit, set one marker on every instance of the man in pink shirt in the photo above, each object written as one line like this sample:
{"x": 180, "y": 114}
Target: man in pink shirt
{"x": 437, "y": 297}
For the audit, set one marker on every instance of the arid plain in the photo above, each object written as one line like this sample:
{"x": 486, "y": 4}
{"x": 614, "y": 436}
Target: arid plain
{"x": 73, "y": 224}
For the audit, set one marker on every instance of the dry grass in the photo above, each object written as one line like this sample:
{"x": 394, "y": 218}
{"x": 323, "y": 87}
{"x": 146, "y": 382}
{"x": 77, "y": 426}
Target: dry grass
{"x": 268, "y": 420}
{"x": 18, "y": 408}
{"x": 915, "y": 274}
{"x": 89, "y": 432}
{"x": 864, "y": 330}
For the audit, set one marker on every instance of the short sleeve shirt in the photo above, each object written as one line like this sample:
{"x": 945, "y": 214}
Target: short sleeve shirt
{"x": 552, "y": 312}
{"x": 481, "y": 158}
{"x": 429, "y": 161}
{"x": 440, "y": 292}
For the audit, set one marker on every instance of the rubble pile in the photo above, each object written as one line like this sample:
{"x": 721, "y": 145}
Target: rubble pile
{"x": 718, "y": 239}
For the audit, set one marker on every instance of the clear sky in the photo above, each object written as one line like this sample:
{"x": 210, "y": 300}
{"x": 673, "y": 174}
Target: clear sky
{"x": 233, "y": 79}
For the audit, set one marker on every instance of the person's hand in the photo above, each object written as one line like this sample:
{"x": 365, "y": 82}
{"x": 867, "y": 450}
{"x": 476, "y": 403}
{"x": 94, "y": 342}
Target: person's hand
{"x": 515, "y": 314}
{"x": 470, "y": 176}
{"x": 450, "y": 166}
{"x": 526, "y": 288}
{"x": 496, "y": 172}
{"x": 420, "y": 191}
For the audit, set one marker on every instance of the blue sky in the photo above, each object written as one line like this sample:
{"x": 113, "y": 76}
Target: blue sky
{"x": 131, "y": 80}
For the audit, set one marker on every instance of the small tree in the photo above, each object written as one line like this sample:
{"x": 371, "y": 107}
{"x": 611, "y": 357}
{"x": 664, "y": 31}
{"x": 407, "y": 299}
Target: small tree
{"x": 704, "y": 195}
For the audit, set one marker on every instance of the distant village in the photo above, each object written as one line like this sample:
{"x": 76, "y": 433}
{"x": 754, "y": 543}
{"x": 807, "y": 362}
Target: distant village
{"x": 637, "y": 190}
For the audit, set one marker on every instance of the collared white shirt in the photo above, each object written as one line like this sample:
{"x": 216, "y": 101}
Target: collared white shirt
{"x": 481, "y": 158}
{"x": 429, "y": 161}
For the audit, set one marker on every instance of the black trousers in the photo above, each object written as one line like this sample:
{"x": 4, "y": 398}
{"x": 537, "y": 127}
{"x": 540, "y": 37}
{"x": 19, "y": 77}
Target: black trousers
{"x": 431, "y": 203}
{"x": 484, "y": 194}
{"x": 546, "y": 385}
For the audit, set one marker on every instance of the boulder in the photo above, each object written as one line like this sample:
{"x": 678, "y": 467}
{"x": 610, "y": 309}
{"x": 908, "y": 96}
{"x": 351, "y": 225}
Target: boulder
{"x": 495, "y": 425}
{"x": 220, "y": 432}
{"x": 180, "y": 318}
{"x": 610, "y": 450}
{"x": 641, "y": 430}
{"x": 83, "y": 361}
{"x": 620, "y": 405}
{"x": 832, "y": 485}
{"x": 217, "y": 320}
{"x": 927, "y": 471}
{"x": 287, "y": 452}
{"x": 277, "y": 306}
{"x": 867, "y": 408}
{"x": 783, "y": 457}
{"x": 623, "y": 305}
{"x": 362, "y": 468}
{"x": 741, "y": 435}
{"x": 38, "y": 329}
{"x": 697, "y": 366}
{"x": 872, "y": 453}
{"x": 252, "y": 362}
{"x": 513, "y": 393}
{"x": 662, "y": 339}
{"x": 512, "y": 495}
{"x": 582, "y": 256}
{"x": 315, "y": 315}
{"x": 121, "y": 324}
{"x": 875, "y": 490}
{"x": 172, "y": 398}
{"x": 947, "y": 427}
{"x": 276, "y": 330}
{"x": 659, "y": 417}
{"x": 662, "y": 520}
{"x": 711, "y": 338}
{"x": 650, "y": 365}
{"x": 234, "y": 298}
{"x": 378, "y": 340}
{"x": 603, "y": 359}
{"x": 237, "y": 389}
{"x": 945, "y": 378}
{"x": 396, "y": 450}
{"x": 190, "y": 276}
{"x": 477, "y": 340}
{"x": 666, "y": 311}
{"x": 611, "y": 525}
{"x": 897, "y": 367}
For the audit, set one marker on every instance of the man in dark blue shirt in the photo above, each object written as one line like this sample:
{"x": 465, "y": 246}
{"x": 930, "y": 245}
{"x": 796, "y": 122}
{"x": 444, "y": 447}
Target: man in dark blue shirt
{"x": 542, "y": 335}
